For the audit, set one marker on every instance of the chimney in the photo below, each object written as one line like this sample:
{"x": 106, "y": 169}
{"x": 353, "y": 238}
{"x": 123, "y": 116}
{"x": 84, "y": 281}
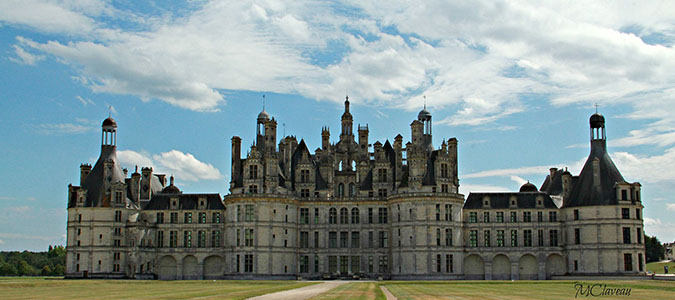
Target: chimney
{"x": 566, "y": 184}
{"x": 236, "y": 158}
{"x": 85, "y": 169}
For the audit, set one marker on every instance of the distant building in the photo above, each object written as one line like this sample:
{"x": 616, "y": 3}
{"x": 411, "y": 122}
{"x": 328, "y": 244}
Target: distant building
{"x": 668, "y": 253}
{"x": 348, "y": 209}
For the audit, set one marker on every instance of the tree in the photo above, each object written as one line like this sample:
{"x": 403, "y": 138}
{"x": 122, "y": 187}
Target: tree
{"x": 654, "y": 250}
{"x": 25, "y": 269}
{"x": 46, "y": 271}
{"x": 7, "y": 270}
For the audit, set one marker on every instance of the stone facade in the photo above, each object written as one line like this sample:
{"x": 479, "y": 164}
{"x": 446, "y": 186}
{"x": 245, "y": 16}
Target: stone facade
{"x": 347, "y": 211}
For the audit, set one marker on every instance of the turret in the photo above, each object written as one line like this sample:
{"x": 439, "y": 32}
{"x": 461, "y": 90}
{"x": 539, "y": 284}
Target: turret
{"x": 136, "y": 185}
{"x": 270, "y": 136}
{"x": 325, "y": 138}
{"x": 347, "y": 121}
{"x": 146, "y": 181}
{"x": 363, "y": 138}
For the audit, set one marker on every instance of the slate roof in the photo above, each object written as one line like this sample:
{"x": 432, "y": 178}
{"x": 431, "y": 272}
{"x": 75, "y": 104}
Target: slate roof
{"x": 186, "y": 201}
{"x": 553, "y": 185}
{"x": 94, "y": 181}
{"x": 500, "y": 200}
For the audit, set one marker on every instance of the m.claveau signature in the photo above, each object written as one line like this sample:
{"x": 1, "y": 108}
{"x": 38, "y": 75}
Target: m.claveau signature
{"x": 598, "y": 289}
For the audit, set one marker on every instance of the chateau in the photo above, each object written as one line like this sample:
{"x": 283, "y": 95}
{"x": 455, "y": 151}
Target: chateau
{"x": 352, "y": 209}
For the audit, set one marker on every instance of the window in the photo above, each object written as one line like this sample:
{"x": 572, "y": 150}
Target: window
{"x": 238, "y": 262}
{"x": 344, "y": 239}
{"x": 238, "y": 237}
{"x": 382, "y": 215}
{"x": 304, "y": 239}
{"x": 640, "y": 266}
{"x": 332, "y": 239}
{"x": 215, "y": 217}
{"x": 448, "y": 263}
{"x": 577, "y": 236}
{"x": 576, "y": 214}
{"x": 486, "y": 238}
{"x": 624, "y": 195}
{"x": 371, "y": 239}
{"x": 356, "y": 239}
{"x": 215, "y": 238}
{"x": 638, "y": 235}
{"x": 332, "y": 264}
{"x": 344, "y": 264}
{"x": 500, "y": 238}
{"x": 527, "y": 238}
{"x": 500, "y": 217}
{"x": 473, "y": 217}
{"x": 304, "y": 215}
{"x": 514, "y": 238}
{"x": 552, "y": 216}
{"x": 316, "y": 264}
{"x": 187, "y": 239}
{"x": 384, "y": 264}
{"x": 316, "y": 239}
{"x": 355, "y": 215}
{"x": 382, "y": 175}
{"x": 352, "y": 190}
{"x": 637, "y": 213}
{"x": 527, "y": 216}
{"x": 356, "y": 264}
{"x": 438, "y": 212}
{"x": 448, "y": 212}
{"x": 370, "y": 264}
{"x": 187, "y": 218}
{"x": 160, "y": 218}
{"x": 304, "y": 264}
{"x": 448, "y": 237}
{"x": 304, "y": 176}
{"x": 304, "y": 193}
{"x": 438, "y": 263}
{"x": 118, "y": 216}
{"x": 370, "y": 215}
{"x": 316, "y": 215}
{"x": 438, "y": 236}
{"x": 201, "y": 239}
{"x": 444, "y": 188}
{"x": 540, "y": 216}
{"x": 160, "y": 239}
{"x": 173, "y": 239}
{"x": 628, "y": 262}
{"x": 486, "y": 217}
{"x": 119, "y": 197}
{"x": 248, "y": 263}
{"x": 444, "y": 170}
{"x": 174, "y": 217}
{"x": 332, "y": 215}
{"x": 626, "y": 235}
{"x": 473, "y": 238}
{"x": 202, "y": 218}
{"x": 249, "y": 215}
{"x": 540, "y": 238}
{"x": 248, "y": 237}
{"x": 625, "y": 213}
{"x": 344, "y": 216}
{"x": 384, "y": 241}
{"x": 514, "y": 217}
{"x": 341, "y": 190}
{"x": 253, "y": 189}
{"x": 382, "y": 192}
{"x": 553, "y": 237}
{"x": 252, "y": 172}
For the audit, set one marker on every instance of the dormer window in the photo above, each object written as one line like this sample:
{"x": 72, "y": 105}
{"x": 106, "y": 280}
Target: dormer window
{"x": 253, "y": 172}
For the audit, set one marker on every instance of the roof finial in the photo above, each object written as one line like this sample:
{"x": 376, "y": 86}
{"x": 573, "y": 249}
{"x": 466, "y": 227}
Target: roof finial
{"x": 109, "y": 111}
{"x": 425, "y": 101}
{"x": 596, "y": 108}
{"x": 263, "y": 102}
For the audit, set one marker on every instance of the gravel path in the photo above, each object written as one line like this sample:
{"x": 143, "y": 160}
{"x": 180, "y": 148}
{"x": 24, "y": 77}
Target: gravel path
{"x": 387, "y": 293}
{"x": 301, "y": 293}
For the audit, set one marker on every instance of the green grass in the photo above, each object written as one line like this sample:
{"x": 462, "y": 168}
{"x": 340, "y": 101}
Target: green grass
{"x": 645, "y": 289}
{"x": 657, "y": 267}
{"x": 50, "y": 288}
{"x": 356, "y": 290}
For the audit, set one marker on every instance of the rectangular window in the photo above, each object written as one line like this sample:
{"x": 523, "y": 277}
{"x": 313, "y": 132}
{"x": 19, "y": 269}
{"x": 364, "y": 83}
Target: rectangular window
{"x": 238, "y": 237}
{"x": 248, "y": 263}
{"x": 304, "y": 264}
{"x": 304, "y": 239}
{"x": 187, "y": 239}
{"x": 540, "y": 216}
{"x": 332, "y": 264}
{"x": 438, "y": 236}
{"x": 473, "y": 217}
{"x": 624, "y": 195}
{"x": 202, "y": 218}
{"x": 576, "y": 214}
{"x": 638, "y": 235}
{"x": 356, "y": 264}
{"x": 344, "y": 264}
{"x": 438, "y": 212}
{"x": 118, "y": 216}
{"x": 238, "y": 262}
{"x": 249, "y": 213}
{"x": 486, "y": 239}
{"x": 215, "y": 238}
{"x": 577, "y": 236}
{"x": 160, "y": 239}
{"x": 382, "y": 192}
{"x": 187, "y": 218}
{"x": 438, "y": 263}
{"x": 382, "y": 215}
{"x": 252, "y": 172}
{"x": 500, "y": 238}
{"x": 473, "y": 238}
{"x": 248, "y": 237}
{"x": 371, "y": 239}
{"x": 448, "y": 212}
{"x": 304, "y": 215}
{"x": 370, "y": 264}
{"x": 626, "y": 235}
{"x": 237, "y": 213}
{"x": 316, "y": 264}
{"x": 382, "y": 175}
{"x": 553, "y": 237}
{"x": 448, "y": 263}
{"x": 514, "y": 238}
{"x": 304, "y": 193}
{"x": 527, "y": 238}
{"x": 160, "y": 218}
{"x": 552, "y": 216}
{"x": 625, "y": 213}
{"x": 370, "y": 215}
{"x": 384, "y": 239}
{"x": 316, "y": 239}
{"x": 201, "y": 239}
{"x": 527, "y": 216}
{"x": 332, "y": 239}
{"x": 640, "y": 265}
{"x": 444, "y": 188}
{"x": 173, "y": 239}
{"x": 500, "y": 217}
{"x": 637, "y": 213}
{"x": 316, "y": 215}
{"x": 304, "y": 176}
{"x": 448, "y": 237}
{"x": 628, "y": 262}
{"x": 356, "y": 239}
{"x": 444, "y": 170}
{"x": 540, "y": 238}
{"x": 344, "y": 239}
{"x": 486, "y": 217}
{"x": 384, "y": 264}
{"x": 215, "y": 218}
{"x": 514, "y": 217}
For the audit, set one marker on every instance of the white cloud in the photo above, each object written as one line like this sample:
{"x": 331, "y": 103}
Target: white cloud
{"x": 646, "y": 168}
{"x": 46, "y": 16}
{"x": 468, "y": 188}
{"x": 63, "y": 128}
{"x": 25, "y": 57}
{"x": 652, "y": 222}
{"x": 518, "y": 180}
{"x": 534, "y": 170}
{"x": 7, "y": 198}
{"x": 84, "y": 101}
{"x": 183, "y": 165}
{"x": 2, "y": 242}
{"x": 670, "y": 206}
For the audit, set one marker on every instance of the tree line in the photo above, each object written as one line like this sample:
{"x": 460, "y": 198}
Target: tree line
{"x": 27, "y": 263}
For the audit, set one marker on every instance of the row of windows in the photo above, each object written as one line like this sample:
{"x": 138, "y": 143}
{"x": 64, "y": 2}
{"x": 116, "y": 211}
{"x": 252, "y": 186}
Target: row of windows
{"x": 215, "y": 240}
{"x": 344, "y": 241}
{"x": 187, "y": 218}
{"x": 514, "y": 241}
{"x": 513, "y": 217}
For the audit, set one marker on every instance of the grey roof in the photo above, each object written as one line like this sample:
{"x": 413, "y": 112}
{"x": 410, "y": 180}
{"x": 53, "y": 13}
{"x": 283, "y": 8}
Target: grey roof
{"x": 367, "y": 183}
{"x": 501, "y": 200}
{"x": 96, "y": 195}
{"x": 186, "y": 201}
{"x": 585, "y": 192}
{"x": 430, "y": 176}
{"x": 109, "y": 122}
{"x": 553, "y": 185}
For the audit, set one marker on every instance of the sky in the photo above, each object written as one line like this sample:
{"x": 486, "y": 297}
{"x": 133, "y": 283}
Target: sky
{"x": 514, "y": 81}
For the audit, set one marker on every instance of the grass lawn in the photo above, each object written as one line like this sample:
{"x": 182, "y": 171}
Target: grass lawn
{"x": 355, "y": 290}
{"x": 646, "y": 289}
{"x": 52, "y": 288}
{"x": 657, "y": 267}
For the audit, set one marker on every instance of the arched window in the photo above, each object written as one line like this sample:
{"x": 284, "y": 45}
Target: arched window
{"x": 353, "y": 165}
{"x": 340, "y": 166}
{"x": 344, "y": 216}
{"x": 341, "y": 190}
{"x": 355, "y": 215}
{"x": 332, "y": 215}
{"x": 352, "y": 190}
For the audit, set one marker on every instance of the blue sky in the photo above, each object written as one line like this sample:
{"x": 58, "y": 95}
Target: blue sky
{"x": 513, "y": 81}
